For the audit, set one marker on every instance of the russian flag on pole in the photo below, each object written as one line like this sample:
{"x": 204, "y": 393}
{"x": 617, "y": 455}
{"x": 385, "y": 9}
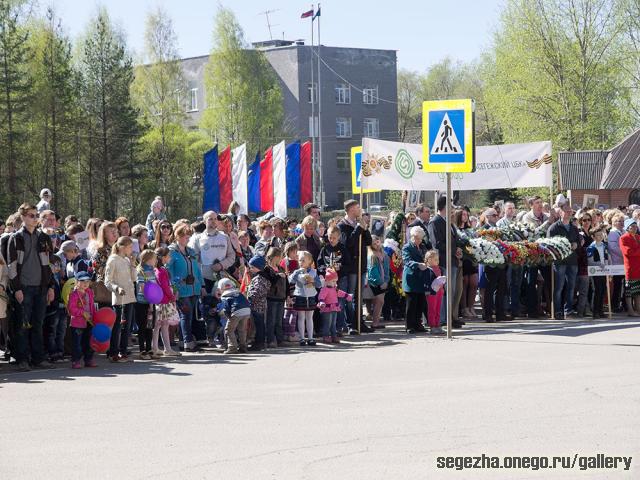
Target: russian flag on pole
{"x": 266, "y": 181}
{"x": 306, "y": 188}
{"x": 253, "y": 185}
{"x": 211, "y": 181}
{"x": 279, "y": 180}
{"x": 293, "y": 175}
{"x": 239, "y": 176}
{"x": 224, "y": 172}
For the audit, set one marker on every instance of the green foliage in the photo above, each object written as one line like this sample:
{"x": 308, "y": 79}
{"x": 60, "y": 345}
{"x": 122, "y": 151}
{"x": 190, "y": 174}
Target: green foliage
{"x": 244, "y": 101}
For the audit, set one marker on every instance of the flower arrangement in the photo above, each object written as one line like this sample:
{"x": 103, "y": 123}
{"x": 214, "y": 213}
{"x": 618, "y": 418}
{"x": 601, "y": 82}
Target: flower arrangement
{"x": 559, "y": 247}
{"x": 485, "y": 252}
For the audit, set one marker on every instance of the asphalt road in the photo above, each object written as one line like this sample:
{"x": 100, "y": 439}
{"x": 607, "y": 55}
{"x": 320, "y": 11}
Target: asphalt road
{"x": 381, "y": 406}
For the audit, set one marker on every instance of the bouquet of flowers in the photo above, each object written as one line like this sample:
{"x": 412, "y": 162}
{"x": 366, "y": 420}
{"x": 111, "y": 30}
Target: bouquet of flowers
{"x": 558, "y": 247}
{"x": 485, "y": 252}
{"x": 512, "y": 252}
{"x": 490, "y": 234}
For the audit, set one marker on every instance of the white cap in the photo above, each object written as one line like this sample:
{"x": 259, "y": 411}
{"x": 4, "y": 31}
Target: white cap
{"x": 45, "y": 192}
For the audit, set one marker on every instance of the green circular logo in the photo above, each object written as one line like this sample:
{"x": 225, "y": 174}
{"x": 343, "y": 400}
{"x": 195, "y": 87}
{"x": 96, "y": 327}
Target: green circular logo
{"x": 404, "y": 164}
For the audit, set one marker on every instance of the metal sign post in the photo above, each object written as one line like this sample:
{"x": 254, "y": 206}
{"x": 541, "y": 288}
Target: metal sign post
{"x": 449, "y": 291}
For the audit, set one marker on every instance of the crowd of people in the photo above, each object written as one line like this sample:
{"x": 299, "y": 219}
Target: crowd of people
{"x": 236, "y": 284}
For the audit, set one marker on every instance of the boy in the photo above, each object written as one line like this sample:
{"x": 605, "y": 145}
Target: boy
{"x": 276, "y": 297}
{"x": 70, "y": 253}
{"x": 235, "y": 308}
{"x": 257, "y": 293}
{"x": 598, "y": 255}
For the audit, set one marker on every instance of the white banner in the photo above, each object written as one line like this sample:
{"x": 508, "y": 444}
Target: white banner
{"x": 398, "y": 166}
{"x": 239, "y": 176}
{"x": 605, "y": 270}
{"x": 279, "y": 180}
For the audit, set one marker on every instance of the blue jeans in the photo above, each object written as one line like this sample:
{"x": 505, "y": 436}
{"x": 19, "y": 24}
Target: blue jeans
{"x": 565, "y": 275}
{"x": 80, "y": 338}
{"x": 30, "y": 311}
{"x": 275, "y": 314}
{"x": 329, "y": 324}
{"x": 187, "y": 310}
{"x": 258, "y": 321}
{"x": 57, "y": 325}
{"x": 121, "y": 331}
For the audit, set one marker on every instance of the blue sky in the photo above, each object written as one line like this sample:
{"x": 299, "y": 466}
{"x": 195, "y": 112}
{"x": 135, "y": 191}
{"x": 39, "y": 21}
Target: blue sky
{"x": 423, "y": 32}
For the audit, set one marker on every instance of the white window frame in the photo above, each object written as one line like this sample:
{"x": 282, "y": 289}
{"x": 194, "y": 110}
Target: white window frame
{"x": 370, "y": 95}
{"x": 343, "y": 127}
{"x": 193, "y": 100}
{"x": 345, "y": 156}
{"x": 343, "y": 93}
{"x": 313, "y": 122}
{"x": 371, "y": 127}
{"x": 312, "y": 93}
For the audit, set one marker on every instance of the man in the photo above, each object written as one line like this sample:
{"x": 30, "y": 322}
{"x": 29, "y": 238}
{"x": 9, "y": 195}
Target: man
{"x": 45, "y": 200}
{"x": 49, "y": 225}
{"x": 437, "y": 230}
{"x": 313, "y": 210}
{"x": 566, "y": 270}
{"x": 496, "y": 280}
{"x": 353, "y": 228}
{"x": 423, "y": 216}
{"x": 514, "y": 272}
{"x": 215, "y": 254}
{"x": 537, "y": 219}
{"x": 32, "y": 284}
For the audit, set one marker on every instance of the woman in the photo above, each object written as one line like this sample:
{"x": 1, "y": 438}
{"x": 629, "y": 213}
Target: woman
{"x": 140, "y": 234}
{"x": 413, "y": 280}
{"x": 582, "y": 280}
{"x": 187, "y": 278}
{"x": 234, "y": 210}
{"x": 228, "y": 224}
{"x": 309, "y": 240}
{"x": 378, "y": 277}
{"x": 107, "y": 237}
{"x": 244, "y": 225}
{"x": 596, "y": 218}
{"x": 124, "y": 229}
{"x": 630, "y": 247}
{"x": 615, "y": 258}
{"x": 162, "y": 235}
{"x": 469, "y": 271}
{"x": 93, "y": 226}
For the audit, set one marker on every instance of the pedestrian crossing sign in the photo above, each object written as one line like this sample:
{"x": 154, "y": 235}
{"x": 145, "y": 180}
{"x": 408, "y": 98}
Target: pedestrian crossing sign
{"x": 448, "y": 136}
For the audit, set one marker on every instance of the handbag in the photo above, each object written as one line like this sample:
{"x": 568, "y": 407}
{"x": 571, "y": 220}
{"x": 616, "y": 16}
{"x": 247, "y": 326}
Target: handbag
{"x": 101, "y": 294}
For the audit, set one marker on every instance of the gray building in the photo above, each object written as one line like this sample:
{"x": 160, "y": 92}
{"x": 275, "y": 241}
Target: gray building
{"x": 358, "y": 95}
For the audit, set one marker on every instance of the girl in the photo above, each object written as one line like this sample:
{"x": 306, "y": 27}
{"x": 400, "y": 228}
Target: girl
{"x": 306, "y": 282}
{"x": 81, "y": 309}
{"x": 290, "y": 264}
{"x": 434, "y": 302}
{"x": 93, "y": 227}
{"x": 378, "y": 277}
{"x": 186, "y": 277}
{"x": 145, "y": 313}
{"x": 167, "y": 313}
{"x": 330, "y": 306}
{"x": 122, "y": 224}
{"x": 120, "y": 277}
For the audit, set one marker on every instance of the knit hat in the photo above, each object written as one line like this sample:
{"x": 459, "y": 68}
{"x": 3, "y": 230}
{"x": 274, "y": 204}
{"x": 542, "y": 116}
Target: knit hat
{"x": 628, "y": 222}
{"x": 331, "y": 275}
{"x": 258, "y": 262}
{"x": 68, "y": 246}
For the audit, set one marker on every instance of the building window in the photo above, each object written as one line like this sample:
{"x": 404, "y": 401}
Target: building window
{"x": 193, "y": 100}
{"x": 344, "y": 195}
{"x": 371, "y": 127}
{"x": 343, "y": 127}
{"x": 312, "y": 93}
{"x": 343, "y": 161}
{"x": 370, "y": 95}
{"x": 313, "y": 126}
{"x": 634, "y": 198}
{"x": 343, "y": 93}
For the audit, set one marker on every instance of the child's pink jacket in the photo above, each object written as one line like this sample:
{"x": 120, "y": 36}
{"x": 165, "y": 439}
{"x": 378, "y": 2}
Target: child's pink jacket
{"x": 329, "y": 296}
{"x": 77, "y": 305}
{"x": 162, "y": 276}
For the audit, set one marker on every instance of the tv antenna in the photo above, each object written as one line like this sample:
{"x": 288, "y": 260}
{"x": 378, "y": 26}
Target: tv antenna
{"x": 269, "y": 24}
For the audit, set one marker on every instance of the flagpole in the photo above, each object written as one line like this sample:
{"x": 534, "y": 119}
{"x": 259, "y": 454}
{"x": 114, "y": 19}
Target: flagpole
{"x": 313, "y": 117}
{"x": 319, "y": 116}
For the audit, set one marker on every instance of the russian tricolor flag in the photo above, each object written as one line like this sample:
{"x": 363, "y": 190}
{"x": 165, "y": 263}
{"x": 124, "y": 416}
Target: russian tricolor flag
{"x": 218, "y": 189}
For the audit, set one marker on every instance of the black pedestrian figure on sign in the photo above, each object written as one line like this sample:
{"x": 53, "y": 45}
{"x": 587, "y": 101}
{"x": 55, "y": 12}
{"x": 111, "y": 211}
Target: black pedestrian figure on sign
{"x": 445, "y": 138}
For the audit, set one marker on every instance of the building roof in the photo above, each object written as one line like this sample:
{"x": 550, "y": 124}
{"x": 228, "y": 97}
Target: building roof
{"x": 581, "y": 170}
{"x": 623, "y": 164}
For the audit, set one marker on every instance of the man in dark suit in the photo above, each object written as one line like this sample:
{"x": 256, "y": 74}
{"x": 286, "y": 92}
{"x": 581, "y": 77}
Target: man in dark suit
{"x": 423, "y": 215}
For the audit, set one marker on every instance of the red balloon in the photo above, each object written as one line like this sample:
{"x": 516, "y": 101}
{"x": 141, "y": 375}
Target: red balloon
{"x": 105, "y": 315}
{"x": 97, "y": 346}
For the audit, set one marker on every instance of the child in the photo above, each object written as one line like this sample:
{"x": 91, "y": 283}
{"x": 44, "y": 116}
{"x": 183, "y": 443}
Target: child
{"x": 434, "y": 301}
{"x": 56, "y": 316}
{"x": 120, "y": 277}
{"x": 75, "y": 263}
{"x": 276, "y": 297}
{"x": 306, "y": 282}
{"x": 378, "y": 278}
{"x": 598, "y": 255}
{"x": 166, "y": 312}
{"x": 82, "y": 309}
{"x": 330, "y": 306}
{"x": 145, "y": 313}
{"x": 257, "y": 294}
{"x": 290, "y": 264}
{"x": 235, "y": 307}
{"x": 336, "y": 256}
